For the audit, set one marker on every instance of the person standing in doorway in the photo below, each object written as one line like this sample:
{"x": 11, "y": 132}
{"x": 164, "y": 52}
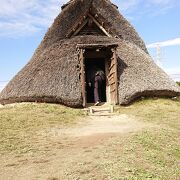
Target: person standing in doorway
{"x": 96, "y": 77}
{"x": 98, "y": 81}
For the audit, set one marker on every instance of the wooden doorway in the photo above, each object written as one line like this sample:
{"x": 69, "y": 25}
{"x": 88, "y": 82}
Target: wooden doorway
{"x": 112, "y": 78}
{"x": 105, "y": 56}
{"x": 90, "y": 65}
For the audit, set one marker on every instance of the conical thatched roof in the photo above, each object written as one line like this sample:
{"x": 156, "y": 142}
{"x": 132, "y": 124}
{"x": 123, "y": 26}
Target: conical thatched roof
{"x": 52, "y": 75}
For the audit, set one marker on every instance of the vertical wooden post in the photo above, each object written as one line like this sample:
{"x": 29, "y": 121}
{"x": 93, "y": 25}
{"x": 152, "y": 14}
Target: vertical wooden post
{"x": 113, "y": 76}
{"x": 83, "y": 77}
{"x": 116, "y": 76}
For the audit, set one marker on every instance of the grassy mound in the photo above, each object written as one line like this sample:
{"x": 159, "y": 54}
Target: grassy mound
{"x": 155, "y": 152}
{"x": 161, "y": 111}
{"x": 19, "y": 123}
{"x": 151, "y": 153}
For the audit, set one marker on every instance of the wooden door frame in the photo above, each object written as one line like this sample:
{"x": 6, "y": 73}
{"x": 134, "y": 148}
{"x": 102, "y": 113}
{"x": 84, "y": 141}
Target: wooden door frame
{"x": 82, "y": 49}
{"x": 116, "y": 100}
{"x": 83, "y": 76}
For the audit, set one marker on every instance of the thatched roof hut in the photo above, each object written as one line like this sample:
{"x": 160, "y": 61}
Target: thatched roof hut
{"x": 88, "y": 32}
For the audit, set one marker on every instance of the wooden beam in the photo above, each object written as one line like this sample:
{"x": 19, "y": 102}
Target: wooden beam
{"x": 70, "y": 32}
{"x": 73, "y": 30}
{"x": 80, "y": 27}
{"x": 100, "y": 27}
{"x": 92, "y": 46}
{"x": 116, "y": 76}
{"x": 83, "y": 77}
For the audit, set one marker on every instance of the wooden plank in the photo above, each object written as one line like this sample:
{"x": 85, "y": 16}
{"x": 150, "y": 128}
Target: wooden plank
{"x": 112, "y": 65}
{"x": 79, "y": 29}
{"x": 76, "y": 28}
{"x": 112, "y": 83}
{"x": 100, "y": 27}
{"x": 111, "y": 78}
{"x": 113, "y": 90}
{"x": 100, "y": 45}
{"x": 116, "y": 77}
{"x": 111, "y": 73}
{"x": 76, "y": 25}
{"x": 83, "y": 77}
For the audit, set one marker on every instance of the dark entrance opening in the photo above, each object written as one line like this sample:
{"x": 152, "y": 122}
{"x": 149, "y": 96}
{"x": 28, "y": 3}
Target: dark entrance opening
{"x": 90, "y": 64}
{"x": 103, "y": 56}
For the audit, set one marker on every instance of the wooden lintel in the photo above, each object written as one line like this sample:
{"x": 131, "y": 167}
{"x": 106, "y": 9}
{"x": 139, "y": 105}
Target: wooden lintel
{"x": 92, "y": 46}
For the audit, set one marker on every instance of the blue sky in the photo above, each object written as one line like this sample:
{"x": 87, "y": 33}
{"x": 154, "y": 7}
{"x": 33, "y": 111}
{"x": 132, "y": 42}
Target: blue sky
{"x": 23, "y": 24}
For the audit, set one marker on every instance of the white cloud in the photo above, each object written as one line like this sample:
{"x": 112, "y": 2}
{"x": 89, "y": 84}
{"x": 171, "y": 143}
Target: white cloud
{"x": 23, "y": 17}
{"x": 161, "y": 2}
{"x": 138, "y": 8}
{"x": 172, "y": 42}
{"x": 126, "y": 5}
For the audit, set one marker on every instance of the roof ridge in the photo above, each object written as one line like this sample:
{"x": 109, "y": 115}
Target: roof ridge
{"x": 71, "y": 1}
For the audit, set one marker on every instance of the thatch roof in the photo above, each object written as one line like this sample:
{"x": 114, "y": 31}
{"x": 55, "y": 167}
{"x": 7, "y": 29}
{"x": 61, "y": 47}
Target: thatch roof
{"x": 52, "y": 75}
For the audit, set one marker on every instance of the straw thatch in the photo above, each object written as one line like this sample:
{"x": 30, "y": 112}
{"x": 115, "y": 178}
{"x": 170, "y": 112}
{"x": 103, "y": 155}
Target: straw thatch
{"x": 52, "y": 75}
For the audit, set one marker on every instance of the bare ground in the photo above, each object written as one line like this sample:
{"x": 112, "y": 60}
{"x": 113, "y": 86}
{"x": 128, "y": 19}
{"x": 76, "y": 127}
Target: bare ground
{"x": 76, "y": 152}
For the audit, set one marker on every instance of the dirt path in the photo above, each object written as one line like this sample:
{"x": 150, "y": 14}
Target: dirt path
{"x": 71, "y": 153}
{"x": 104, "y": 125}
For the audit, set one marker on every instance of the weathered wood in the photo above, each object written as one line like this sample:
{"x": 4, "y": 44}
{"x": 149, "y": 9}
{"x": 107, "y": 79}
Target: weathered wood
{"x": 112, "y": 66}
{"x": 102, "y": 45}
{"x": 112, "y": 83}
{"x": 79, "y": 29}
{"x": 116, "y": 76}
{"x": 78, "y": 26}
{"x": 83, "y": 77}
{"x": 74, "y": 27}
{"x": 111, "y": 73}
{"x": 112, "y": 78}
{"x": 99, "y": 25}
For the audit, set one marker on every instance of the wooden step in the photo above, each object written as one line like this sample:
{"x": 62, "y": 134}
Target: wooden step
{"x": 101, "y": 110}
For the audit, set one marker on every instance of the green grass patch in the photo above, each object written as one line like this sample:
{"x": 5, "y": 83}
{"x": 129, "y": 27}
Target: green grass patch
{"x": 20, "y": 124}
{"x": 144, "y": 155}
{"x": 160, "y": 111}
{"x": 153, "y": 153}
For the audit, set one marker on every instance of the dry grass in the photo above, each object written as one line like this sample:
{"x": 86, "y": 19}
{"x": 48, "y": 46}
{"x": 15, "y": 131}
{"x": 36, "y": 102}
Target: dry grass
{"x": 155, "y": 152}
{"x": 159, "y": 111}
{"x": 19, "y": 124}
{"x": 152, "y": 153}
